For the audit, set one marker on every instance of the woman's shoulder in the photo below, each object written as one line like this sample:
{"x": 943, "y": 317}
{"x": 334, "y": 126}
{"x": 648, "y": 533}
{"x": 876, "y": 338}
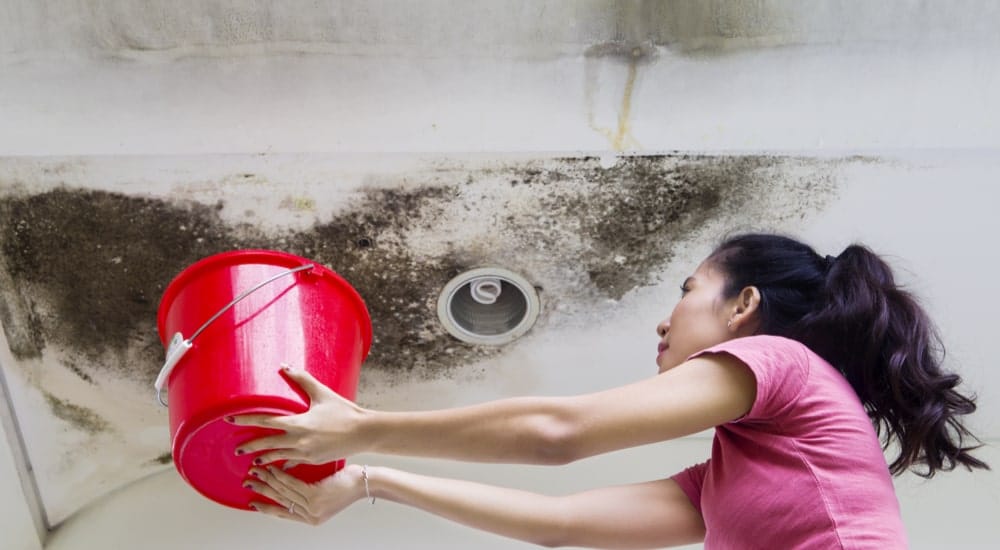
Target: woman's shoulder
{"x": 776, "y": 361}
{"x": 767, "y": 344}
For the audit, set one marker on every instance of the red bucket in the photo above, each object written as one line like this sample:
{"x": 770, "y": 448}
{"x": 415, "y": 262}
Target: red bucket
{"x": 229, "y": 321}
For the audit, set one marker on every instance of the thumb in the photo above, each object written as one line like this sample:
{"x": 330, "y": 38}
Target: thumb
{"x": 307, "y": 382}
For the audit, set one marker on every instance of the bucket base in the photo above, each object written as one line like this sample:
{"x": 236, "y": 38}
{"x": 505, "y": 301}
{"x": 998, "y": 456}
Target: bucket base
{"x": 206, "y": 457}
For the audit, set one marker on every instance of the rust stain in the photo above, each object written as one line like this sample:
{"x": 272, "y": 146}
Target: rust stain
{"x": 620, "y": 137}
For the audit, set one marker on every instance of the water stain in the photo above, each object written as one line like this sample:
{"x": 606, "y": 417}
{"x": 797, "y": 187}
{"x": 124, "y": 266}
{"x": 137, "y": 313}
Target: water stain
{"x": 632, "y": 55}
{"x": 88, "y": 267}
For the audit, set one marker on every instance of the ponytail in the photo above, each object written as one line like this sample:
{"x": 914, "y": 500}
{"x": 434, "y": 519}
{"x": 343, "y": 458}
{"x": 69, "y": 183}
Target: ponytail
{"x": 850, "y": 311}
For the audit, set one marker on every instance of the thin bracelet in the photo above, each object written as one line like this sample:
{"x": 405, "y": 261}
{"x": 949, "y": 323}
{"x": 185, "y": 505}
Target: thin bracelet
{"x": 364, "y": 476}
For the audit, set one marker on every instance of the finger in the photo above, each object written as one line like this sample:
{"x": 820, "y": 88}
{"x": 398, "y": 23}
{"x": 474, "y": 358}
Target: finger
{"x": 292, "y": 483}
{"x": 282, "y": 441}
{"x": 282, "y": 497}
{"x": 313, "y": 388}
{"x": 281, "y": 482}
{"x": 276, "y": 422}
{"x": 278, "y": 511}
{"x": 280, "y": 454}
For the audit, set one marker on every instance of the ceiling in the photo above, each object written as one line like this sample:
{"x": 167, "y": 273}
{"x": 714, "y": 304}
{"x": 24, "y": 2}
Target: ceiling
{"x": 596, "y": 148}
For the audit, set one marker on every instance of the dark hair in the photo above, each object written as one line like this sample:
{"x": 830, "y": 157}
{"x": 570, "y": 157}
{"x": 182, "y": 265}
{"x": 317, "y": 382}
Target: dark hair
{"x": 851, "y": 312}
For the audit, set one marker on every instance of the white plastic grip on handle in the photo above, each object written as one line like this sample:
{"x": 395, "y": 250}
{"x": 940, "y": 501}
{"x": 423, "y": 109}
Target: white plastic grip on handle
{"x": 177, "y": 348}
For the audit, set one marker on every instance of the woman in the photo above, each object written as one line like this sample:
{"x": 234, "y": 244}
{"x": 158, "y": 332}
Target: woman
{"x": 799, "y": 361}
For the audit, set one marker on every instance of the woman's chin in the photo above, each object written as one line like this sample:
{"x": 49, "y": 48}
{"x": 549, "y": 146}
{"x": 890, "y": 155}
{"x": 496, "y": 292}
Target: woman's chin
{"x": 664, "y": 363}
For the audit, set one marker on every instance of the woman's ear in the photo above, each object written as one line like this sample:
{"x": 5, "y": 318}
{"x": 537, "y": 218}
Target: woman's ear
{"x": 745, "y": 314}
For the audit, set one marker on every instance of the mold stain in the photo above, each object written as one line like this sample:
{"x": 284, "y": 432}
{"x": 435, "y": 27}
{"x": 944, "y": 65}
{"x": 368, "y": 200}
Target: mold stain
{"x": 163, "y": 459}
{"x": 78, "y": 370}
{"x": 81, "y": 418}
{"x": 367, "y": 247}
{"x": 94, "y": 264}
{"x": 643, "y": 206}
{"x": 89, "y": 266}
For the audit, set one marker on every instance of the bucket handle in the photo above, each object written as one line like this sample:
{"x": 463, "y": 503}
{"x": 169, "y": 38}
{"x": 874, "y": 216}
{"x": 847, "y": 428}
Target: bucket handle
{"x": 179, "y": 345}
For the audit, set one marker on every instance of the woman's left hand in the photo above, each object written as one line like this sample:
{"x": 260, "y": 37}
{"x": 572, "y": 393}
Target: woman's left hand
{"x": 311, "y": 503}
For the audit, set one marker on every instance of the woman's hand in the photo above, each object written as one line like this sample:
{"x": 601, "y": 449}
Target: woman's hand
{"x": 311, "y": 503}
{"x": 328, "y": 431}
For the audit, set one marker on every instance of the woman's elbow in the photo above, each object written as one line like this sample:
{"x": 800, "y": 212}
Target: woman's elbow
{"x": 551, "y": 543}
{"x": 558, "y": 443}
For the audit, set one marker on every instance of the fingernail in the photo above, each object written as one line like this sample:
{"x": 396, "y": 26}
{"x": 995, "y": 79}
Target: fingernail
{"x": 239, "y": 452}
{"x": 247, "y": 486}
{"x": 229, "y": 419}
{"x": 254, "y": 507}
{"x": 254, "y": 473}
{"x": 258, "y": 461}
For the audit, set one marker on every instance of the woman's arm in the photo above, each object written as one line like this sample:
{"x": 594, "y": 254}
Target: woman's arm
{"x": 696, "y": 395}
{"x": 644, "y": 515}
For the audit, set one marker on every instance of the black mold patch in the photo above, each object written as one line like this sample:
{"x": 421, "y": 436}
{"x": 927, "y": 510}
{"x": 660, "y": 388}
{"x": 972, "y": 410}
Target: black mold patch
{"x": 643, "y": 205}
{"x": 365, "y": 245}
{"x": 79, "y": 417}
{"x": 87, "y": 268}
{"x": 99, "y": 261}
{"x": 163, "y": 459}
{"x": 77, "y": 370}
{"x": 18, "y": 320}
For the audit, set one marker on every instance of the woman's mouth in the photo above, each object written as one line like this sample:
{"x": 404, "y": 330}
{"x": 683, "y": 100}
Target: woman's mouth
{"x": 661, "y": 348}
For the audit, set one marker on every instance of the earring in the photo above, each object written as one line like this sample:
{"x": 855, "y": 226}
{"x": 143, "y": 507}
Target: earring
{"x": 729, "y": 324}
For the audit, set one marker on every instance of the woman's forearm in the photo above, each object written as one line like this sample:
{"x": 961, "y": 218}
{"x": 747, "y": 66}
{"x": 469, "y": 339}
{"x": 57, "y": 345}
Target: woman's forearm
{"x": 512, "y": 513}
{"x": 644, "y": 515}
{"x": 652, "y": 514}
{"x": 697, "y": 395}
{"x": 533, "y": 430}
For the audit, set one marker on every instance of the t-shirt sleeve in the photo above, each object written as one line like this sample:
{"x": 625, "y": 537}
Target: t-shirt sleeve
{"x": 780, "y": 366}
{"x": 691, "y": 480}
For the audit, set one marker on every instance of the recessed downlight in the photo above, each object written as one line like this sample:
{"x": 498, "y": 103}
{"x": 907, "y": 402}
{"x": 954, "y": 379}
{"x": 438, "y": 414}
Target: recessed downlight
{"x": 489, "y": 305}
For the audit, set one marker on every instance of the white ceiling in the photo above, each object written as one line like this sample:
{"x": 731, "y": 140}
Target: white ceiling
{"x": 885, "y": 124}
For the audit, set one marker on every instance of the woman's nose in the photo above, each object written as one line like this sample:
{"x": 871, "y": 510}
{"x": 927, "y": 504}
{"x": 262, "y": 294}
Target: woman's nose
{"x": 663, "y": 328}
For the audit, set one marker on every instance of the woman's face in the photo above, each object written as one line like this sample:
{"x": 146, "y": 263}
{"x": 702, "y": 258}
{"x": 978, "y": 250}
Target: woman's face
{"x": 699, "y": 319}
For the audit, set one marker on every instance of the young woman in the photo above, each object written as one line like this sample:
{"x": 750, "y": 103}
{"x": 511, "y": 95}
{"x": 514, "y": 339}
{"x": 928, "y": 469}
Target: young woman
{"x": 799, "y": 361}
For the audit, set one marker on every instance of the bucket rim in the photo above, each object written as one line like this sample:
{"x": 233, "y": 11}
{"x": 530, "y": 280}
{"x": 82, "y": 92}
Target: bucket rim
{"x": 262, "y": 256}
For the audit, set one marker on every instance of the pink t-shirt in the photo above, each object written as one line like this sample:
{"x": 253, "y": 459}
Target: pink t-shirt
{"x": 802, "y": 469}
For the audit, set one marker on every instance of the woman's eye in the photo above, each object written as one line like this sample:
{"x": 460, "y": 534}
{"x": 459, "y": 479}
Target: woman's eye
{"x": 684, "y": 290}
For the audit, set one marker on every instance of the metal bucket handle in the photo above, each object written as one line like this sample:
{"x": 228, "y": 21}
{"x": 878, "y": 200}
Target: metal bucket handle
{"x": 179, "y": 345}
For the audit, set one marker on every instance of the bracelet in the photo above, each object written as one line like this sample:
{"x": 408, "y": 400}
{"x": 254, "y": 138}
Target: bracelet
{"x": 364, "y": 476}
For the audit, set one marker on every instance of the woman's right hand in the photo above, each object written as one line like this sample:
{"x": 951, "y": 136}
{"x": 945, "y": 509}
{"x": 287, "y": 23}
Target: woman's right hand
{"x": 328, "y": 431}
{"x": 311, "y": 503}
